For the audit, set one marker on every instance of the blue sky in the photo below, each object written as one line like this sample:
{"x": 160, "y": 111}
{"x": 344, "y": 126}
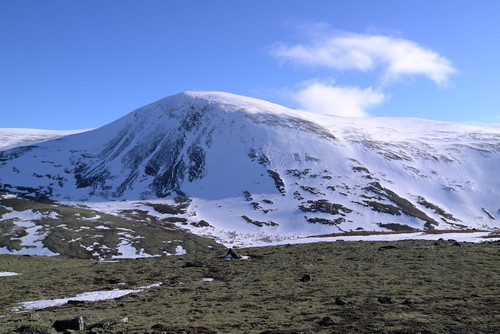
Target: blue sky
{"x": 82, "y": 64}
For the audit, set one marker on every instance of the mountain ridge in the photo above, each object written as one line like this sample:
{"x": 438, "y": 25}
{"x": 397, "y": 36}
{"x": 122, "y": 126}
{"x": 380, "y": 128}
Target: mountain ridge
{"x": 259, "y": 170}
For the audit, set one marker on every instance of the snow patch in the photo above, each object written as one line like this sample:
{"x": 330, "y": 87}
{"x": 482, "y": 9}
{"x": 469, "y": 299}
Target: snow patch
{"x": 8, "y": 196}
{"x": 128, "y": 251}
{"x": 96, "y": 217}
{"x": 8, "y": 273}
{"x": 179, "y": 250}
{"x": 86, "y": 296}
{"x": 102, "y": 227}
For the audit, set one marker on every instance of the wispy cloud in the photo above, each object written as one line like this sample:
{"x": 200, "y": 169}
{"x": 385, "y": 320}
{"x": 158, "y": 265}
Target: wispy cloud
{"x": 388, "y": 59}
{"x": 328, "y": 99}
{"x": 395, "y": 57}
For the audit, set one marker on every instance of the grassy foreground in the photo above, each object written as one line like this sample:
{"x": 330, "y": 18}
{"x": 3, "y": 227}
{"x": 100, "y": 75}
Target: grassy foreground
{"x": 354, "y": 287}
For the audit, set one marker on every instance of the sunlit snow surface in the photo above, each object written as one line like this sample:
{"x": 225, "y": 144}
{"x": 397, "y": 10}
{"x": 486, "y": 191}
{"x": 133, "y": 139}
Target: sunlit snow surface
{"x": 11, "y": 138}
{"x": 8, "y": 273}
{"x": 86, "y": 296}
{"x": 127, "y": 251}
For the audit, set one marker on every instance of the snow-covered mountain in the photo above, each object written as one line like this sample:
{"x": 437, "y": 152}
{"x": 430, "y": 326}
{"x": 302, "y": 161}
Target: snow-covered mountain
{"x": 259, "y": 170}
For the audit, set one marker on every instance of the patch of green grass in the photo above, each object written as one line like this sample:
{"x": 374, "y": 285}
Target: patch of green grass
{"x": 10, "y": 234}
{"x": 79, "y": 232}
{"x": 4, "y": 210}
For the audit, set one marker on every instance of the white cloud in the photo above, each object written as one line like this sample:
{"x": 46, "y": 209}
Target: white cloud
{"x": 339, "y": 101}
{"x": 395, "y": 57}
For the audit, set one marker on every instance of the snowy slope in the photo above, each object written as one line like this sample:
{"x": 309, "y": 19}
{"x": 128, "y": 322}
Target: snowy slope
{"x": 12, "y": 137}
{"x": 258, "y": 171}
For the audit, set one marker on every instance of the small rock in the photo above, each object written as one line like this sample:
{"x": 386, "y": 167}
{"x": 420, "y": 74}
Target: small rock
{"x": 456, "y": 244}
{"x": 385, "y": 300}
{"x": 305, "y": 278}
{"x": 255, "y": 325}
{"x": 341, "y": 301}
{"x": 409, "y": 301}
{"x": 387, "y": 247}
{"x": 191, "y": 265}
{"x": 327, "y": 321}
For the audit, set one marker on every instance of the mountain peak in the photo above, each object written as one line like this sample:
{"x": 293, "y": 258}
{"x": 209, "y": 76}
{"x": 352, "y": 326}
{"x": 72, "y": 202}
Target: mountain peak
{"x": 227, "y": 102}
{"x": 221, "y": 98}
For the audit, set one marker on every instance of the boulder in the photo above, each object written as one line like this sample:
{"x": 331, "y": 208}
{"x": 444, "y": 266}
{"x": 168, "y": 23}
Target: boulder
{"x": 75, "y": 324}
{"x": 385, "y": 300}
{"x": 341, "y": 301}
{"x": 231, "y": 254}
{"x": 305, "y": 278}
{"x": 409, "y": 301}
{"x": 327, "y": 321}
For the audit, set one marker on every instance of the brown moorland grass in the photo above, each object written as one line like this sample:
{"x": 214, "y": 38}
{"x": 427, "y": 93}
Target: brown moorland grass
{"x": 368, "y": 233}
{"x": 359, "y": 287}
